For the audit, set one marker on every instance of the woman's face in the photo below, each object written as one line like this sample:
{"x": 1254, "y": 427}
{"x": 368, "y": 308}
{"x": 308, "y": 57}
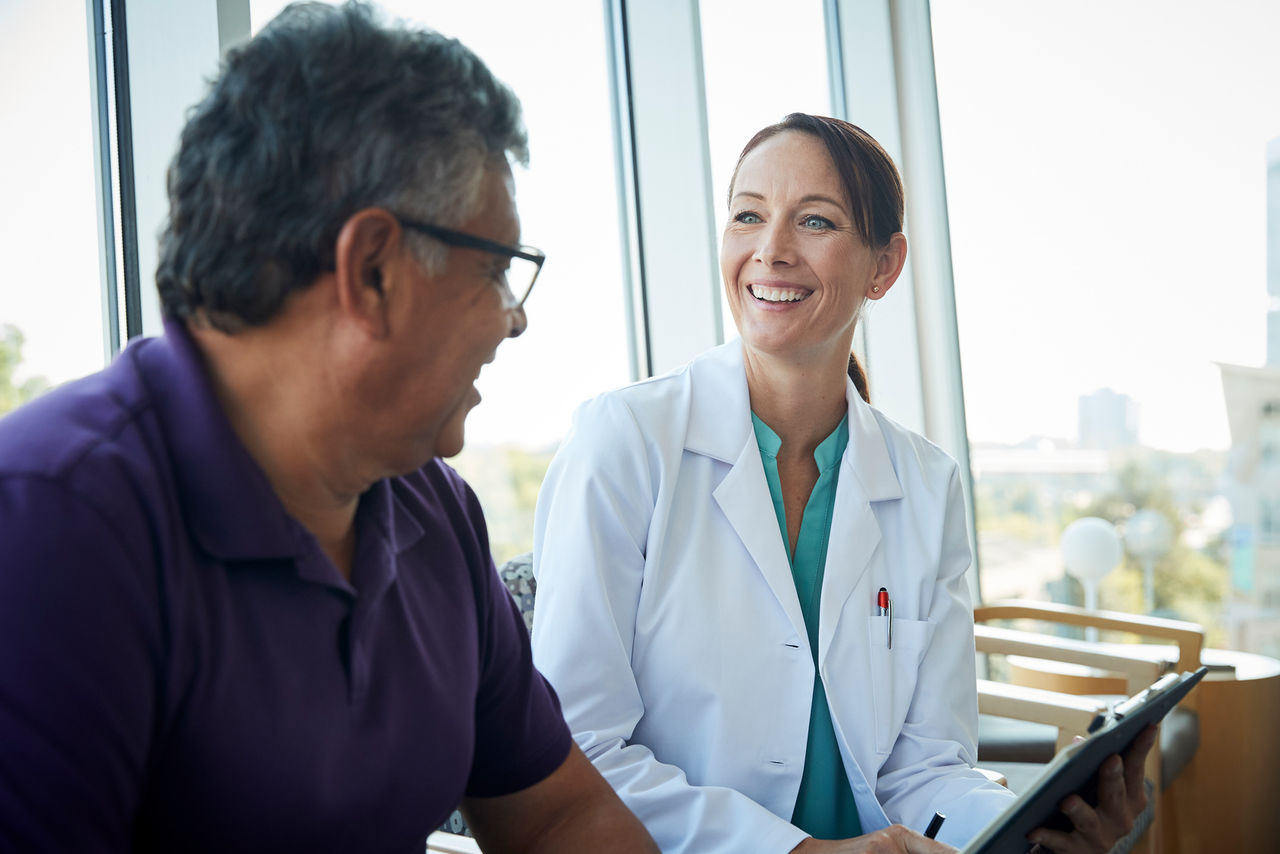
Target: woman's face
{"x": 795, "y": 269}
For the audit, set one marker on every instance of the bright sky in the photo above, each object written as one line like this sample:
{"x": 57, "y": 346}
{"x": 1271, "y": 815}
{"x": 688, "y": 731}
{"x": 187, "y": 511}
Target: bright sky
{"x": 1106, "y": 170}
{"x": 1106, "y": 179}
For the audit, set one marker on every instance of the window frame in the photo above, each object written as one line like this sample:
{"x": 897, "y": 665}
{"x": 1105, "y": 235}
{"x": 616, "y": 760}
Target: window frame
{"x": 880, "y": 60}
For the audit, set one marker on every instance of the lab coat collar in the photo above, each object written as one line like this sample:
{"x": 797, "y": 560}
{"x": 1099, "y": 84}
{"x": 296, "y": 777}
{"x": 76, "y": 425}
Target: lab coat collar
{"x": 720, "y": 422}
{"x": 720, "y": 405}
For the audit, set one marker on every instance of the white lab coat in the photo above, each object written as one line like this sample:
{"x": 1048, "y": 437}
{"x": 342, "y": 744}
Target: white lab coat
{"x": 668, "y": 620}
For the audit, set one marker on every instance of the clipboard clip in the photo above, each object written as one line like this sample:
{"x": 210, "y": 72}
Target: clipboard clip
{"x": 1129, "y": 705}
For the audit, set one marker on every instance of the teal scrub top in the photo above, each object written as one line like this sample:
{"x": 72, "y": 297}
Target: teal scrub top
{"x": 825, "y": 808}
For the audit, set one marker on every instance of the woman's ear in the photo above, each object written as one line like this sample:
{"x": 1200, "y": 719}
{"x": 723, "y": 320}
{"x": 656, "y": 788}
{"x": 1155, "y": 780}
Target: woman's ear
{"x": 363, "y": 252}
{"x": 889, "y": 262}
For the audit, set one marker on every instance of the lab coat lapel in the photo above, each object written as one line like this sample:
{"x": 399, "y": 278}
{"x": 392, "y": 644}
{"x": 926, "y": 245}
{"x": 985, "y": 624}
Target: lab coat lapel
{"x": 744, "y": 497}
{"x": 855, "y": 534}
{"x": 866, "y": 475}
{"x": 720, "y": 427}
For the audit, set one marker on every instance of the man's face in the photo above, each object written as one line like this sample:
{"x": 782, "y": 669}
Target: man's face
{"x": 447, "y": 327}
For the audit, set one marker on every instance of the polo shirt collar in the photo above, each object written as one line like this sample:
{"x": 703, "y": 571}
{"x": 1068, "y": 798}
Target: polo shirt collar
{"x": 228, "y": 504}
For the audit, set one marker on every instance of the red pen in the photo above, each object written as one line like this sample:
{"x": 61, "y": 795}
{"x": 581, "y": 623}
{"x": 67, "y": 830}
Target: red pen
{"x": 884, "y": 608}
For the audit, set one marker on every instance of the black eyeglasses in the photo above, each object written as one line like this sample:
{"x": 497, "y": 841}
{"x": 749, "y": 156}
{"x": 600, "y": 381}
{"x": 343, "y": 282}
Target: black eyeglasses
{"x": 526, "y": 262}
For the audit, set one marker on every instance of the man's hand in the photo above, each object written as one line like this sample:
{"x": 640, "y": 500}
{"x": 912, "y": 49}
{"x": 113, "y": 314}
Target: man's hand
{"x": 1121, "y": 797}
{"x": 573, "y": 809}
{"x": 895, "y": 839}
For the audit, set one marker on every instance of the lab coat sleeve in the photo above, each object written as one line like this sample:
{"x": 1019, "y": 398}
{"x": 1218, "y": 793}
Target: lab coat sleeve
{"x": 591, "y": 527}
{"x": 931, "y": 765}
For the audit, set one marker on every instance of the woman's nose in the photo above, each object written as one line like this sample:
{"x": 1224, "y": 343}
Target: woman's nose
{"x": 774, "y": 246}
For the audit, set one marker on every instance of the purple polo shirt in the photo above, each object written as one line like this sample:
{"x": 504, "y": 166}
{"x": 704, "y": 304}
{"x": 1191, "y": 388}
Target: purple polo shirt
{"x": 183, "y": 669}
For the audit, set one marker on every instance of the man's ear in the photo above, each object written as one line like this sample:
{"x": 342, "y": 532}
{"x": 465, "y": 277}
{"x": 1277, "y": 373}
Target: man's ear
{"x": 889, "y": 263}
{"x": 366, "y": 244}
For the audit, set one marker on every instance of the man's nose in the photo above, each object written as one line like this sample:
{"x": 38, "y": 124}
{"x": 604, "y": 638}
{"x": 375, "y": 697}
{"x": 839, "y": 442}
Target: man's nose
{"x": 519, "y": 322}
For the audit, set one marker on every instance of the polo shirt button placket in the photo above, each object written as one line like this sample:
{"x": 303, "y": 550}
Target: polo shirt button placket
{"x": 359, "y": 673}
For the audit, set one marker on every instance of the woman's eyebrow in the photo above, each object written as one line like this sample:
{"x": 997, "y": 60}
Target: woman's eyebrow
{"x": 817, "y": 197}
{"x": 812, "y": 197}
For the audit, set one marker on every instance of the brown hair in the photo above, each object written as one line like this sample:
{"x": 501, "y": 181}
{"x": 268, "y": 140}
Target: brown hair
{"x": 872, "y": 185}
{"x": 859, "y": 378}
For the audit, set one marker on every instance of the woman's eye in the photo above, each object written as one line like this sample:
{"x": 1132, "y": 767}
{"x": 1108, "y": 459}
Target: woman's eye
{"x": 747, "y": 217}
{"x": 817, "y": 222}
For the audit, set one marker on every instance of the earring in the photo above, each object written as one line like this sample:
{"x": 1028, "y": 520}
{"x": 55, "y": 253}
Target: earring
{"x": 875, "y": 289}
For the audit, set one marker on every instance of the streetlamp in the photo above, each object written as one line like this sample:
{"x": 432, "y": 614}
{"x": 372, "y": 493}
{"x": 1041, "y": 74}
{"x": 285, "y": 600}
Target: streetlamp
{"x": 1147, "y": 536}
{"x": 1090, "y": 549}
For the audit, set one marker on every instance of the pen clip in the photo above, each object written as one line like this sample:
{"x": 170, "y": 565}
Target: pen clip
{"x": 889, "y": 626}
{"x": 884, "y": 608}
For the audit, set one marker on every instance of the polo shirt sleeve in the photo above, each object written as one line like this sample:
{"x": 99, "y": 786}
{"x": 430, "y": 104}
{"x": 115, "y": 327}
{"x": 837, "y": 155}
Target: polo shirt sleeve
{"x": 78, "y": 657}
{"x": 521, "y": 736}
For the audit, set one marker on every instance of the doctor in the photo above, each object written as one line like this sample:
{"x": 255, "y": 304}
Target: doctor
{"x": 710, "y": 547}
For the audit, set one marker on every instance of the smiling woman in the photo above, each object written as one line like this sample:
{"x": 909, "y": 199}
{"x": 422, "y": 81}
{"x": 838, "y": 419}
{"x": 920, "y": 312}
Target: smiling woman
{"x": 795, "y": 258}
{"x": 867, "y": 209}
{"x": 665, "y": 499}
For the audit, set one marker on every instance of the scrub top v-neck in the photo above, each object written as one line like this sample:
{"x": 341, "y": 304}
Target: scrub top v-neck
{"x": 825, "y": 808}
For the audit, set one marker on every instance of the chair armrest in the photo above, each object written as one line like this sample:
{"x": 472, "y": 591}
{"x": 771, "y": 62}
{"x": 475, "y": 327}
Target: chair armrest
{"x": 1071, "y": 714}
{"x": 1189, "y": 637}
{"x": 1139, "y": 671}
{"x": 993, "y": 775}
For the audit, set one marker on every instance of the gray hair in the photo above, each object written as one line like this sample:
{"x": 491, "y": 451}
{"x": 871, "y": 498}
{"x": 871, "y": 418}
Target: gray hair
{"x": 323, "y": 113}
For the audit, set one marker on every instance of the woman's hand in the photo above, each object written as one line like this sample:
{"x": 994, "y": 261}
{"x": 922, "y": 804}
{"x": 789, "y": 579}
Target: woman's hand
{"x": 895, "y": 839}
{"x": 1121, "y": 797}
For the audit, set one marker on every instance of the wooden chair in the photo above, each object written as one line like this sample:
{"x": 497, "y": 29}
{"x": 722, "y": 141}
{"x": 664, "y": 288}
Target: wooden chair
{"x": 1187, "y": 637}
{"x": 1069, "y": 715}
{"x": 1102, "y": 671}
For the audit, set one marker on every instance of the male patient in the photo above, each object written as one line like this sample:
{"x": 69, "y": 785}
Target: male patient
{"x": 243, "y": 605}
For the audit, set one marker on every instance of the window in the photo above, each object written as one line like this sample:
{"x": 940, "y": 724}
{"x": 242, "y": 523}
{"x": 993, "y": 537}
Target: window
{"x": 1270, "y": 527}
{"x": 1269, "y": 438}
{"x": 51, "y": 308}
{"x": 576, "y": 345}
{"x": 1106, "y": 170}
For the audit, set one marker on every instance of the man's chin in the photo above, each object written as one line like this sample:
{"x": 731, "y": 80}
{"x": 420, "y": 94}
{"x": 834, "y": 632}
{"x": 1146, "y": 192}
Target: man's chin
{"x": 450, "y": 443}
{"x": 449, "y": 451}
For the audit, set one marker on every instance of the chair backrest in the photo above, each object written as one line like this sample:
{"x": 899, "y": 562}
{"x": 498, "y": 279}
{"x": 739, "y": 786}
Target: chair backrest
{"x": 1133, "y": 672}
{"x": 517, "y": 574}
{"x": 1188, "y": 637}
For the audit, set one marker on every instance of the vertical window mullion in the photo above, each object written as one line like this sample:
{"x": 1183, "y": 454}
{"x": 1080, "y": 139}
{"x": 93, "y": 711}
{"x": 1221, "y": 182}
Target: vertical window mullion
{"x": 671, "y": 208}
{"x": 100, "y": 98}
{"x": 126, "y": 183}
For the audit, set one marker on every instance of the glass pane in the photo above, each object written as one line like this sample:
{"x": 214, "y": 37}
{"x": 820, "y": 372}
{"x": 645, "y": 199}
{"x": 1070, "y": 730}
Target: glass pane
{"x": 51, "y": 327}
{"x": 1107, "y": 179}
{"x": 576, "y": 344}
{"x": 761, "y": 60}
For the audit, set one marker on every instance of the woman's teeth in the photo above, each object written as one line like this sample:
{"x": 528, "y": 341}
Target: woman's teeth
{"x": 777, "y": 294}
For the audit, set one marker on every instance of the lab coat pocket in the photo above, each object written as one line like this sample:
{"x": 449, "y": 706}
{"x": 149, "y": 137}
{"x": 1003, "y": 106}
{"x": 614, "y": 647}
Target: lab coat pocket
{"x": 893, "y": 672}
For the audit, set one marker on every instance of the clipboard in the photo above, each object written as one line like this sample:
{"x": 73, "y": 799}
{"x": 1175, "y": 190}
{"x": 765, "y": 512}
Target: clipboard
{"x": 1075, "y": 768}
